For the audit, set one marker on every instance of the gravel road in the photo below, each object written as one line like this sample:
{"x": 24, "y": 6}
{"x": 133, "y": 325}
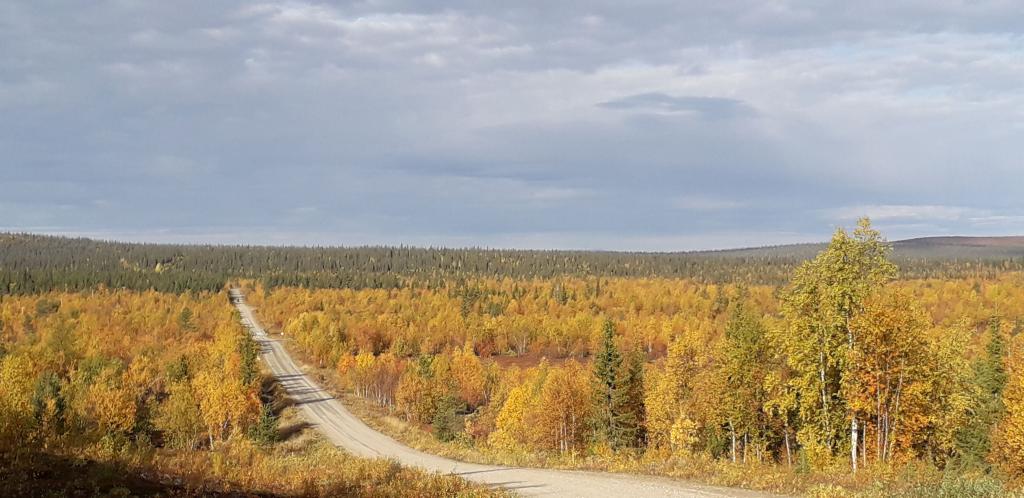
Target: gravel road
{"x": 346, "y": 431}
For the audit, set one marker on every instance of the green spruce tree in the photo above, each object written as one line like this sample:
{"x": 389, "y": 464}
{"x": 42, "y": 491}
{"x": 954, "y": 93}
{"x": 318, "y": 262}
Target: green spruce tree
{"x": 249, "y": 350}
{"x": 265, "y": 431}
{"x": 974, "y": 439}
{"x": 446, "y": 421}
{"x": 607, "y": 364}
{"x": 628, "y": 403}
{"x": 48, "y": 402}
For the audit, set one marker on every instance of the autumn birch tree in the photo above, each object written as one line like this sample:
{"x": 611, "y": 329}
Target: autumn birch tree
{"x": 1008, "y": 450}
{"x": 886, "y": 383}
{"x": 820, "y": 303}
{"x": 745, "y": 365}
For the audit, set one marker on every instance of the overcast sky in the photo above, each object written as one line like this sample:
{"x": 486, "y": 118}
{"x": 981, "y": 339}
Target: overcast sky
{"x": 638, "y": 124}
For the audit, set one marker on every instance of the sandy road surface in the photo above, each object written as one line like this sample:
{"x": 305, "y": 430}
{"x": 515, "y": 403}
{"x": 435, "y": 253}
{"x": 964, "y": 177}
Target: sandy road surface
{"x": 345, "y": 430}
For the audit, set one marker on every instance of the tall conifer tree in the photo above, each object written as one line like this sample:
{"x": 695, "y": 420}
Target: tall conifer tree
{"x": 607, "y": 364}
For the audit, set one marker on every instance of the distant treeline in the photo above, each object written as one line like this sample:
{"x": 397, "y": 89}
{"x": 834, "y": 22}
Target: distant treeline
{"x": 38, "y": 263}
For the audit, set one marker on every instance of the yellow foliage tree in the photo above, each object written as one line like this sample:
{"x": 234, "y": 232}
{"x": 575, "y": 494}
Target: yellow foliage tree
{"x": 226, "y": 406}
{"x": 470, "y": 376}
{"x": 1008, "y": 439}
{"x": 662, "y": 407}
{"x": 511, "y": 430}
{"x": 558, "y": 419}
{"x": 179, "y": 417}
{"x": 886, "y": 382}
{"x": 16, "y": 383}
{"x": 111, "y": 405}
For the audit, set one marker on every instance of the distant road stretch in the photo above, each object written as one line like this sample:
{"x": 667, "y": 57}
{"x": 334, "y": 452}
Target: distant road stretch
{"x": 346, "y": 431}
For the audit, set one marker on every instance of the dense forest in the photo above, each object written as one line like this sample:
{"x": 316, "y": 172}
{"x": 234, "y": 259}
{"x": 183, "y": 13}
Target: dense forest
{"x": 841, "y": 377}
{"x": 144, "y": 393}
{"x": 37, "y": 263}
{"x": 858, "y": 367}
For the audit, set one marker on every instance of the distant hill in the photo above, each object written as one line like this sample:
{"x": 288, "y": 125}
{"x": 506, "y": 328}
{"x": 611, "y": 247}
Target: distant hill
{"x": 1016, "y": 241}
{"x": 987, "y": 248}
{"x": 948, "y": 248}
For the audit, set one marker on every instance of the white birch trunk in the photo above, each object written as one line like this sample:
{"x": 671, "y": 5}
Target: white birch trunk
{"x": 789, "y": 453}
{"x": 732, "y": 430}
{"x": 853, "y": 443}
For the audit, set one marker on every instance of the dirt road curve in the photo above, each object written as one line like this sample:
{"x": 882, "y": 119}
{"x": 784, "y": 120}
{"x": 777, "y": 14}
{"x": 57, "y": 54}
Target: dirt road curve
{"x": 346, "y": 431}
